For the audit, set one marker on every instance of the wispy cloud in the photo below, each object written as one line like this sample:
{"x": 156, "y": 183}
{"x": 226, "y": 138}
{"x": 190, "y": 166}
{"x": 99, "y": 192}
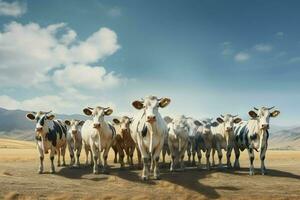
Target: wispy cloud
{"x": 241, "y": 57}
{"x": 227, "y": 48}
{"x": 294, "y": 60}
{"x": 114, "y": 12}
{"x": 279, "y": 34}
{"x": 14, "y": 9}
{"x": 263, "y": 47}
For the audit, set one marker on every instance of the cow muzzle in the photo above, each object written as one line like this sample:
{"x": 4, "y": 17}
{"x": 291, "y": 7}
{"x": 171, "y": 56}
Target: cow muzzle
{"x": 40, "y": 129}
{"x": 265, "y": 126}
{"x": 228, "y": 128}
{"x": 96, "y": 125}
{"x": 151, "y": 119}
{"x": 74, "y": 132}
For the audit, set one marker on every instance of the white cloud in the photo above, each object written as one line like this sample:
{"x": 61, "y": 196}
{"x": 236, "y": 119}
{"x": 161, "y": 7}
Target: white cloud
{"x": 263, "y": 47}
{"x": 241, "y": 57}
{"x": 294, "y": 60}
{"x": 44, "y": 103}
{"x": 86, "y": 77}
{"x": 28, "y": 52}
{"x": 227, "y": 49}
{"x": 114, "y": 12}
{"x": 14, "y": 9}
{"x": 279, "y": 34}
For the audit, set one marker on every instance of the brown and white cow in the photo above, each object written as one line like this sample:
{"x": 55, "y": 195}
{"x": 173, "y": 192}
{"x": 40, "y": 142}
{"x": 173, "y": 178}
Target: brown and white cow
{"x": 123, "y": 140}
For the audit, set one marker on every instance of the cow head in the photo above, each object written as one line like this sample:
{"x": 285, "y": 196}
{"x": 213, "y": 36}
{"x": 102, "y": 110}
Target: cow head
{"x": 228, "y": 121}
{"x": 41, "y": 118}
{"x": 74, "y": 126}
{"x": 150, "y": 106}
{"x": 263, "y": 115}
{"x": 206, "y": 125}
{"x": 97, "y": 114}
{"x": 180, "y": 124}
{"x": 124, "y": 123}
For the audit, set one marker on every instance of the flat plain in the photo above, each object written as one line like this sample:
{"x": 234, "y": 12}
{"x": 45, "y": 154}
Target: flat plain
{"x": 19, "y": 179}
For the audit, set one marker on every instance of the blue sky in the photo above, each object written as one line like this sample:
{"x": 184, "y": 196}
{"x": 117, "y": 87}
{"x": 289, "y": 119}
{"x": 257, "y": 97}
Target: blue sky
{"x": 209, "y": 57}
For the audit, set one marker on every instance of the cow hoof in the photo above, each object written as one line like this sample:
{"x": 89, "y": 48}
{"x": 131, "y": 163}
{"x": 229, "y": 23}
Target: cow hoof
{"x": 58, "y": 165}
{"x": 156, "y": 178}
{"x": 95, "y": 172}
{"x": 52, "y": 172}
{"x": 251, "y": 173}
{"x": 40, "y": 172}
{"x": 115, "y": 161}
{"x": 145, "y": 178}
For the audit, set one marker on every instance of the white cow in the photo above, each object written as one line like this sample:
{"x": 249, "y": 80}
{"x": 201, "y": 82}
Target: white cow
{"x": 166, "y": 149}
{"x": 178, "y": 140}
{"x": 148, "y": 130}
{"x": 224, "y": 137}
{"x": 193, "y": 131}
{"x": 97, "y": 135}
{"x": 204, "y": 140}
{"x": 253, "y": 135}
{"x": 74, "y": 140}
{"x": 50, "y": 135}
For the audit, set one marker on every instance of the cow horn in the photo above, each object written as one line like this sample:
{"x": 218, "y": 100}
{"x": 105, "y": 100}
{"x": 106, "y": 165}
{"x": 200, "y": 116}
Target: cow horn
{"x": 90, "y": 108}
{"x": 106, "y": 108}
{"x": 46, "y": 113}
{"x": 255, "y": 108}
{"x": 234, "y": 116}
{"x": 222, "y": 116}
{"x": 33, "y": 112}
{"x": 271, "y": 108}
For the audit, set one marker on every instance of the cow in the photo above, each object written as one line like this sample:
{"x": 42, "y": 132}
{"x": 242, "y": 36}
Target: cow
{"x": 253, "y": 135}
{"x": 204, "y": 139}
{"x": 223, "y": 137}
{"x": 97, "y": 135}
{"x": 193, "y": 131}
{"x": 74, "y": 140}
{"x": 50, "y": 135}
{"x": 178, "y": 140}
{"x": 148, "y": 130}
{"x": 123, "y": 140}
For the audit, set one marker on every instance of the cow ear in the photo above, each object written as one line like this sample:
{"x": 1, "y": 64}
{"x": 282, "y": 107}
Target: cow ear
{"x": 116, "y": 121}
{"x": 237, "y": 120}
{"x": 50, "y": 117}
{"x": 108, "y": 111}
{"x": 197, "y": 123}
{"x": 81, "y": 123}
{"x": 220, "y": 120}
{"x": 168, "y": 119}
{"x": 252, "y": 114}
{"x": 30, "y": 116}
{"x": 214, "y": 124}
{"x": 138, "y": 105}
{"x": 275, "y": 113}
{"x": 164, "y": 102}
{"x": 68, "y": 122}
{"x": 87, "y": 111}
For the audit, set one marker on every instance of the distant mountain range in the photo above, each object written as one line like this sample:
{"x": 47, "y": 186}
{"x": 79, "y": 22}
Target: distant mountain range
{"x": 13, "y": 124}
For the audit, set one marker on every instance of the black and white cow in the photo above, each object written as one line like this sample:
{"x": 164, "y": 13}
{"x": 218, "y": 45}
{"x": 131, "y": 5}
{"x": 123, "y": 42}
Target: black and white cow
{"x": 253, "y": 135}
{"x": 50, "y": 135}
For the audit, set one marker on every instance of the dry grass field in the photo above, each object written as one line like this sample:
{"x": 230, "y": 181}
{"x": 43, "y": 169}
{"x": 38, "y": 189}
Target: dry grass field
{"x": 19, "y": 179}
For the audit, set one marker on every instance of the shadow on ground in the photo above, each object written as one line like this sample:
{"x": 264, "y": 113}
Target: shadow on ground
{"x": 189, "y": 179}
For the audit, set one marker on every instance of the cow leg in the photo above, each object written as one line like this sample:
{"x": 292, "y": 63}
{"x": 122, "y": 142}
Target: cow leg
{"x": 91, "y": 158}
{"x": 228, "y": 155}
{"x": 213, "y": 156}
{"x": 131, "y": 155}
{"x": 251, "y": 158}
{"x": 58, "y": 157}
{"x": 189, "y": 152}
{"x": 262, "y": 159}
{"x": 116, "y": 153}
{"x": 237, "y": 156}
{"x": 63, "y": 153}
{"x": 193, "y": 157}
{"x": 220, "y": 155}
{"x": 86, "y": 149}
{"x": 52, "y": 153}
{"x": 95, "y": 155}
{"x": 105, "y": 156}
{"x": 156, "y": 167}
{"x": 121, "y": 155}
{"x": 173, "y": 157}
{"x": 164, "y": 152}
{"x": 199, "y": 154}
{"x": 41, "y": 153}
{"x": 207, "y": 158}
{"x": 127, "y": 150}
{"x": 139, "y": 155}
{"x": 78, "y": 155}
{"x": 71, "y": 151}
{"x": 145, "y": 173}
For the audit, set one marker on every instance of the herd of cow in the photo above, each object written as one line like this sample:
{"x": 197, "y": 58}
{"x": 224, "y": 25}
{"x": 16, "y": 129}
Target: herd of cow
{"x": 151, "y": 134}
